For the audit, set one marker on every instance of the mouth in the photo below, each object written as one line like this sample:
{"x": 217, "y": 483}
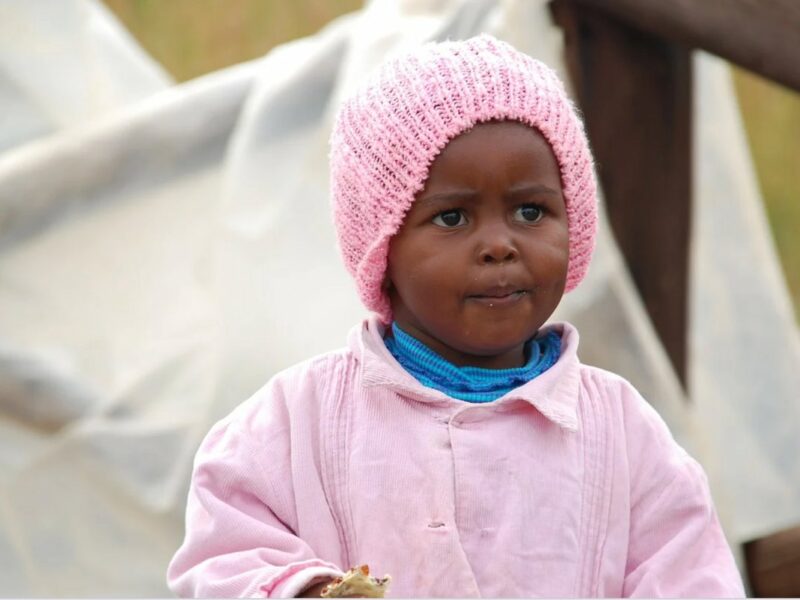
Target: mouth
{"x": 498, "y": 296}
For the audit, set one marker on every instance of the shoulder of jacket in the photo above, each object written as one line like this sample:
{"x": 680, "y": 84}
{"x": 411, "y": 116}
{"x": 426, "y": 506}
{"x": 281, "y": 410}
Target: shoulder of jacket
{"x": 316, "y": 366}
{"x": 614, "y": 393}
{"x": 611, "y": 382}
{"x": 611, "y": 392}
{"x": 295, "y": 388}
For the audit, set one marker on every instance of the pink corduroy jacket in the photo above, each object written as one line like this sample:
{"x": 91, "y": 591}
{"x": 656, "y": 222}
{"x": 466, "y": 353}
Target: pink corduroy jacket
{"x": 570, "y": 485}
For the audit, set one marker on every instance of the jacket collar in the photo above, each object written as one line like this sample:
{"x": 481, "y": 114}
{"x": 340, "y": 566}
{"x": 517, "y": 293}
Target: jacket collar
{"x": 554, "y": 393}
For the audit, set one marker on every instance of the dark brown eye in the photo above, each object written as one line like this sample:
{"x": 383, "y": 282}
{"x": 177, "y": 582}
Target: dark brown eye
{"x": 529, "y": 213}
{"x": 449, "y": 218}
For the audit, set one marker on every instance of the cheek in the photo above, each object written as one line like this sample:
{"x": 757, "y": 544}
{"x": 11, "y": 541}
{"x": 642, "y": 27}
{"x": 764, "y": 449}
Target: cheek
{"x": 429, "y": 290}
{"x": 549, "y": 263}
{"x": 394, "y": 266}
{"x": 413, "y": 262}
{"x": 425, "y": 278}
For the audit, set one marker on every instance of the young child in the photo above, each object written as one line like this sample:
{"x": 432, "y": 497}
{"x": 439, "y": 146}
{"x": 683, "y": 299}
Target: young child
{"x": 456, "y": 443}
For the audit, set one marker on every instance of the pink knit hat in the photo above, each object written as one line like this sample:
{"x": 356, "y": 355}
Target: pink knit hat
{"x": 389, "y": 131}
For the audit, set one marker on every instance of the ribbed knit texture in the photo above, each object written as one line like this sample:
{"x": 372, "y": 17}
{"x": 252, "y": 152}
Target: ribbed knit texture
{"x": 472, "y": 384}
{"x": 389, "y": 131}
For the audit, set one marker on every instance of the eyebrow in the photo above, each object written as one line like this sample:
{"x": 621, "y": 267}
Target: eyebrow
{"x": 470, "y": 195}
{"x": 449, "y": 196}
{"x": 532, "y": 188}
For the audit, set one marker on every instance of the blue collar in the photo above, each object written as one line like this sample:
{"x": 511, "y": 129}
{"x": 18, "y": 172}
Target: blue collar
{"x": 472, "y": 384}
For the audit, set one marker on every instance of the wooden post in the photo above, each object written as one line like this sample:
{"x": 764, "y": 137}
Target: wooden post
{"x": 635, "y": 92}
{"x": 773, "y": 564}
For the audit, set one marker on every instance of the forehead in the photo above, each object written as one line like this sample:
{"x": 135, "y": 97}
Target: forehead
{"x": 496, "y": 152}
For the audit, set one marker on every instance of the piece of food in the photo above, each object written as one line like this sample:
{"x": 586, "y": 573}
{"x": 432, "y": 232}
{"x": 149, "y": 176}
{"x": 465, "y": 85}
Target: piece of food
{"x": 357, "y": 582}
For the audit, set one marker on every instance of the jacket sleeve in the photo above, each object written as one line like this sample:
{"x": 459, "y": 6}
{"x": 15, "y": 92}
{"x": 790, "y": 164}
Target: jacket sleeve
{"x": 241, "y": 517}
{"x": 676, "y": 545}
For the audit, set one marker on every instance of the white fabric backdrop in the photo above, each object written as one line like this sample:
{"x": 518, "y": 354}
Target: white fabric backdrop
{"x": 64, "y": 63}
{"x": 158, "y": 264}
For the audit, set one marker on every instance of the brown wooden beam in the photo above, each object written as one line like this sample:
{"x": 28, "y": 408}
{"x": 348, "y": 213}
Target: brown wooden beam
{"x": 760, "y": 35}
{"x": 773, "y": 564}
{"x": 635, "y": 91}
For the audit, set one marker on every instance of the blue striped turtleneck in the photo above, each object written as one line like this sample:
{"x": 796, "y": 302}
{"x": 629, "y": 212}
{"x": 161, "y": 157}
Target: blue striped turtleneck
{"x": 472, "y": 384}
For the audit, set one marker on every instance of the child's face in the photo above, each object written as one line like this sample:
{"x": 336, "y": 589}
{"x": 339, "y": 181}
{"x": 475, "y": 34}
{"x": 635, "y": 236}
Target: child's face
{"x": 480, "y": 262}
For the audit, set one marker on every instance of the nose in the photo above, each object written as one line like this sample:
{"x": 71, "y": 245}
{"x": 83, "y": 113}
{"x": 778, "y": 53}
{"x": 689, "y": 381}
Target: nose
{"x": 497, "y": 246}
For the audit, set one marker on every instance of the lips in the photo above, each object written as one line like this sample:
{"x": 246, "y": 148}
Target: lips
{"x": 499, "y": 295}
{"x": 498, "y": 291}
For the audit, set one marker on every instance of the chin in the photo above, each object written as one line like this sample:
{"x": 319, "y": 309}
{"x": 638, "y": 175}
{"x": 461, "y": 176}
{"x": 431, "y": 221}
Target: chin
{"x": 502, "y": 333}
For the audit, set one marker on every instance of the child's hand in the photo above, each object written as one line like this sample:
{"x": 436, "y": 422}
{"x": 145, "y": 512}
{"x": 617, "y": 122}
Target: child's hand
{"x": 315, "y": 591}
{"x": 356, "y": 583}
